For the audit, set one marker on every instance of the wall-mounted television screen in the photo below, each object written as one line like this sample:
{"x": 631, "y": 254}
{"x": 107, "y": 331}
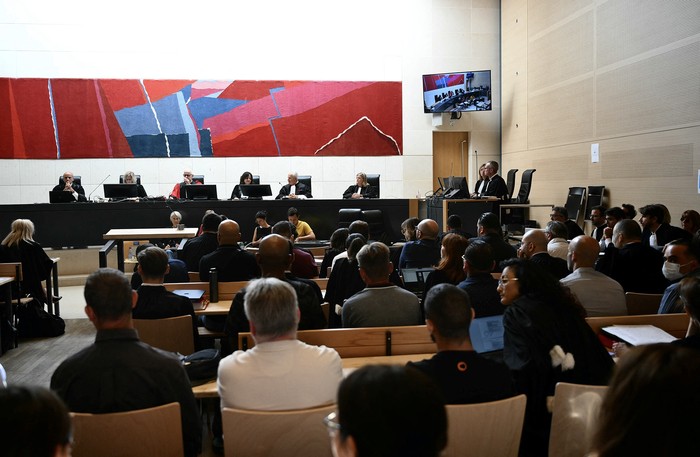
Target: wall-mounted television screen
{"x": 457, "y": 92}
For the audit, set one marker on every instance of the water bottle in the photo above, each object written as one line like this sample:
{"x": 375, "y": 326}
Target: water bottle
{"x": 213, "y": 285}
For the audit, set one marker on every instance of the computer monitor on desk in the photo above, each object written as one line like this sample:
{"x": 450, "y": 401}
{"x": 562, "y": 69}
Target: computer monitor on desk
{"x": 199, "y": 192}
{"x": 255, "y": 191}
{"x": 455, "y": 187}
{"x": 60, "y": 196}
{"x": 120, "y": 191}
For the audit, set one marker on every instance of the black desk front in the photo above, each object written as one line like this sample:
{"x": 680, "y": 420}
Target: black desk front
{"x": 83, "y": 224}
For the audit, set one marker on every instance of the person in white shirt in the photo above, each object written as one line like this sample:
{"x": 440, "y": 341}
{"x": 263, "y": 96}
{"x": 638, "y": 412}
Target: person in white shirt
{"x": 279, "y": 372}
{"x": 557, "y": 245}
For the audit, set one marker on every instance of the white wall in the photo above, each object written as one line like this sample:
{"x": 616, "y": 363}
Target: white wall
{"x": 277, "y": 39}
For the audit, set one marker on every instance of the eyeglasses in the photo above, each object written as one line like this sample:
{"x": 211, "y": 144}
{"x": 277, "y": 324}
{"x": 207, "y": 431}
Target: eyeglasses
{"x": 331, "y": 423}
{"x": 186, "y": 174}
{"x": 504, "y": 281}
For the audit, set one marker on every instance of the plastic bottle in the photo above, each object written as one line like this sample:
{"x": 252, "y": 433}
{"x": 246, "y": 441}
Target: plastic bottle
{"x": 213, "y": 285}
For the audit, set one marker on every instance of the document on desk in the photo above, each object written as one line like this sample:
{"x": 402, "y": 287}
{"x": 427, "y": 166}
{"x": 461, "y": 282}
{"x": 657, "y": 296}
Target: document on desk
{"x": 639, "y": 334}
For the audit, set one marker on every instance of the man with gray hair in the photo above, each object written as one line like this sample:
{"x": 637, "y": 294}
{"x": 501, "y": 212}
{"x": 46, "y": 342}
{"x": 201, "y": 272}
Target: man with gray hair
{"x": 294, "y": 189}
{"x": 380, "y": 303}
{"x": 557, "y": 245}
{"x": 425, "y": 251}
{"x": 280, "y": 372}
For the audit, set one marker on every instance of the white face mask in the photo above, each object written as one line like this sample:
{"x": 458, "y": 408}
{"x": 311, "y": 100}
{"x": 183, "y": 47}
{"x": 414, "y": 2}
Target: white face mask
{"x": 672, "y": 270}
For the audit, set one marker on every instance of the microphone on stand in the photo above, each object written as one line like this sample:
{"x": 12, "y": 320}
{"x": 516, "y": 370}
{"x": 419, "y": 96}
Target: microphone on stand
{"x": 93, "y": 190}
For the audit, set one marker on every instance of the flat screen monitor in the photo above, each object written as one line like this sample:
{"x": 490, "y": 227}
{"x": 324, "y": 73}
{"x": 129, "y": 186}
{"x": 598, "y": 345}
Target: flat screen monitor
{"x": 455, "y": 187}
{"x": 120, "y": 191}
{"x": 457, "y": 92}
{"x": 255, "y": 191}
{"x": 60, "y": 196}
{"x": 199, "y": 192}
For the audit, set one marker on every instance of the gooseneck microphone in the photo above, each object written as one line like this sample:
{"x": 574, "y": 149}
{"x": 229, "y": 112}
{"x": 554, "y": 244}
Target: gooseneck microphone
{"x": 93, "y": 190}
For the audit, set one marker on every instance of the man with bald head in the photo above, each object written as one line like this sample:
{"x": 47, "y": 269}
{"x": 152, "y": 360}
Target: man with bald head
{"x": 598, "y": 293}
{"x": 68, "y": 184}
{"x": 534, "y": 248}
{"x": 425, "y": 251}
{"x": 187, "y": 179}
{"x": 231, "y": 262}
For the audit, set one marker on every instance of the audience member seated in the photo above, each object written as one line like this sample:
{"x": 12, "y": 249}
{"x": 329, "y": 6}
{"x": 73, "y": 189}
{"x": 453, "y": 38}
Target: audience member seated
{"x": 681, "y": 260}
{"x": 381, "y": 303}
{"x": 495, "y": 186}
{"x": 656, "y": 233}
{"x": 408, "y": 229}
{"x": 280, "y": 372}
{"x": 345, "y": 280}
{"x": 557, "y": 245}
{"x": 303, "y": 263}
{"x": 651, "y": 406}
{"x": 204, "y": 244}
{"x": 337, "y": 246}
{"x": 388, "y": 411}
{"x": 425, "y": 251}
{"x": 690, "y": 221}
{"x": 294, "y": 189}
{"x": 689, "y": 288}
{"x": 628, "y": 209}
{"x": 462, "y": 375}
{"x": 33, "y": 422}
{"x": 120, "y": 373}
{"x": 359, "y": 227}
{"x": 304, "y": 231}
{"x": 177, "y": 270}
{"x": 231, "y": 262}
{"x": 598, "y": 221}
{"x": 130, "y": 178}
{"x": 600, "y": 295}
{"x": 188, "y": 178}
{"x": 489, "y": 231}
{"x": 274, "y": 256}
{"x": 154, "y": 301}
{"x": 450, "y": 269}
{"x": 69, "y": 185}
{"x": 454, "y": 225}
{"x": 262, "y": 228}
{"x": 171, "y": 243}
{"x": 361, "y": 189}
{"x": 534, "y": 248}
{"x": 636, "y": 266}
{"x": 612, "y": 217}
{"x": 246, "y": 178}
{"x": 480, "y": 284}
{"x": 19, "y": 246}
{"x": 561, "y": 214}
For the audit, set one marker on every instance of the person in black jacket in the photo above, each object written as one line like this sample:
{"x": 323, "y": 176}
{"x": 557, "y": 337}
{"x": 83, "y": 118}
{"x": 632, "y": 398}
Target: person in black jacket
{"x": 495, "y": 186}
{"x": 361, "y": 189}
{"x": 294, "y": 188}
{"x": 68, "y": 184}
{"x": 489, "y": 231}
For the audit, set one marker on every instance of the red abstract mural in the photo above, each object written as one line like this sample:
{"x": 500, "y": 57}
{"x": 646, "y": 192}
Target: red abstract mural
{"x": 102, "y": 118}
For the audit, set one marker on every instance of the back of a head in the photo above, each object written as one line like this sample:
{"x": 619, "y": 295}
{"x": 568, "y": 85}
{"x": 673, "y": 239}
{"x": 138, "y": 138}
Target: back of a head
{"x": 338, "y": 239}
{"x": 392, "y": 411}
{"x": 490, "y": 223}
{"x": 210, "y": 222}
{"x": 629, "y": 229}
{"x": 274, "y": 252}
{"x": 285, "y": 229}
{"x": 690, "y": 295}
{"x": 454, "y": 221}
{"x": 615, "y": 212}
{"x": 228, "y": 232}
{"x": 409, "y": 226}
{"x": 21, "y": 229}
{"x": 651, "y": 405}
{"x": 561, "y": 210}
{"x": 108, "y": 293}
{"x": 629, "y": 210}
{"x": 538, "y": 238}
{"x": 448, "y": 307}
{"x": 479, "y": 255}
{"x": 586, "y": 249}
{"x": 354, "y": 243}
{"x": 153, "y": 262}
{"x": 429, "y": 229}
{"x": 360, "y": 227}
{"x": 534, "y": 281}
{"x": 374, "y": 260}
{"x": 271, "y": 306}
{"x": 556, "y": 229}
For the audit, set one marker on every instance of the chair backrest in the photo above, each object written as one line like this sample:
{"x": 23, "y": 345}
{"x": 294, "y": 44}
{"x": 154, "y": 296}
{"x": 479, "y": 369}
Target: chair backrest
{"x": 674, "y": 324}
{"x": 525, "y": 186}
{"x": 11, "y": 270}
{"x": 375, "y": 220}
{"x": 510, "y": 181}
{"x": 574, "y": 418}
{"x": 273, "y": 433}
{"x": 138, "y": 179}
{"x": 199, "y": 178}
{"x": 489, "y": 429}
{"x": 595, "y": 198}
{"x": 306, "y": 179}
{"x": 638, "y": 303}
{"x": 172, "y": 334}
{"x": 76, "y": 180}
{"x": 194, "y": 276}
{"x": 574, "y": 202}
{"x": 139, "y": 433}
{"x": 347, "y": 216}
{"x": 373, "y": 180}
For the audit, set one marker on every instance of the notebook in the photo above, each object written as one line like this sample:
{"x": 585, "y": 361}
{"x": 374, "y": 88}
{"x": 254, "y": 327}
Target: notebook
{"x": 195, "y": 296}
{"x": 487, "y": 334}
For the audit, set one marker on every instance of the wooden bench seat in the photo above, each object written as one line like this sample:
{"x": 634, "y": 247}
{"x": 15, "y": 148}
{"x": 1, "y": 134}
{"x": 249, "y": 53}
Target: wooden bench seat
{"x": 674, "y": 324}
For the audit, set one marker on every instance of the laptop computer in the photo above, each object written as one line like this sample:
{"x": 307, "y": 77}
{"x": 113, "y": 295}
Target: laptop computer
{"x": 195, "y": 296}
{"x": 60, "y": 196}
{"x": 414, "y": 279}
{"x": 487, "y": 334}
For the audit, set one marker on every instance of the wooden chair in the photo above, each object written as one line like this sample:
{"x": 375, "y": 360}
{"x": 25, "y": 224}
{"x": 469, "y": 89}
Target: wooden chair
{"x": 274, "y": 433}
{"x": 638, "y": 303}
{"x": 172, "y": 334}
{"x": 489, "y": 429}
{"x": 674, "y": 324}
{"x": 194, "y": 276}
{"x": 140, "y": 433}
{"x": 574, "y": 418}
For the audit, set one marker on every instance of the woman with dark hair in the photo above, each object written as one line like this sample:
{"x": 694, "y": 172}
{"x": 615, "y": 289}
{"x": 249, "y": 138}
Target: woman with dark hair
{"x": 408, "y": 228}
{"x": 19, "y": 246}
{"x": 262, "y": 228}
{"x": 451, "y": 267}
{"x": 651, "y": 406}
{"x": 337, "y": 246}
{"x": 546, "y": 340}
{"x": 388, "y": 411}
{"x": 34, "y": 422}
{"x": 690, "y": 221}
{"x": 345, "y": 280}
{"x": 246, "y": 178}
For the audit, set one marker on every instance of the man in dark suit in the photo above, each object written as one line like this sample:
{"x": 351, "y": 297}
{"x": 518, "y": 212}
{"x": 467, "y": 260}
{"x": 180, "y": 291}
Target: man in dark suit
{"x": 231, "y": 262}
{"x": 425, "y": 251}
{"x": 489, "y": 231}
{"x": 534, "y": 248}
{"x": 656, "y": 232}
{"x": 496, "y": 185}
{"x": 479, "y": 284}
{"x": 294, "y": 188}
{"x": 598, "y": 220}
{"x": 204, "y": 244}
{"x": 68, "y": 184}
{"x": 561, "y": 214}
{"x": 636, "y": 266}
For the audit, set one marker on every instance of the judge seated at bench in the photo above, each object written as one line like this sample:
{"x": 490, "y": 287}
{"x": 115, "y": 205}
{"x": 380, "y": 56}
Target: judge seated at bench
{"x": 361, "y": 189}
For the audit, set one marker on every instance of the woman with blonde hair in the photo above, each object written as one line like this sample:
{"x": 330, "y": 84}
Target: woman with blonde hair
{"x": 19, "y": 246}
{"x": 361, "y": 189}
{"x": 130, "y": 178}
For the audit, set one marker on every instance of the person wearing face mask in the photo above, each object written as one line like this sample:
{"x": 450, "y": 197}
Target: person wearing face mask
{"x": 681, "y": 260}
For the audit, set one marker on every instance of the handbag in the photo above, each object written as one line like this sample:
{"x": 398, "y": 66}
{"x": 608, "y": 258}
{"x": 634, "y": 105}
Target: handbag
{"x": 35, "y": 322}
{"x": 201, "y": 366}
